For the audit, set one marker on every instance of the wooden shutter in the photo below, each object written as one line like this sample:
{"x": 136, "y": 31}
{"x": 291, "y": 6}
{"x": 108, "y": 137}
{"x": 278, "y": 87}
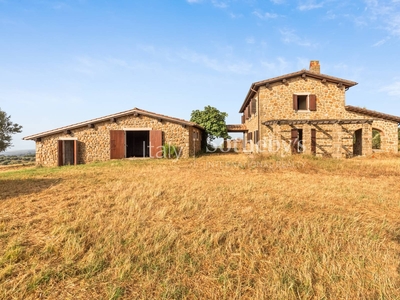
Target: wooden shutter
{"x": 253, "y": 106}
{"x": 249, "y": 136}
{"x": 75, "y": 152}
{"x": 243, "y": 119}
{"x": 256, "y": 136}
{"x": 156, "y": 144}
{"x": 117, "y": 144}
{"x": 248, "y": 111}
{"x": 60, "y": 153}
{"x": 295, "y": 140}
{"x": 295, "y": 102}
{"x": 314, "y": 141}
{"x": 312, "y": 100}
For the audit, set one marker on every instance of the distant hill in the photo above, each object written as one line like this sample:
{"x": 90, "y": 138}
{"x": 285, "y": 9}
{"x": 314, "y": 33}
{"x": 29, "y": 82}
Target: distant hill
{"x": 18, "y": 152}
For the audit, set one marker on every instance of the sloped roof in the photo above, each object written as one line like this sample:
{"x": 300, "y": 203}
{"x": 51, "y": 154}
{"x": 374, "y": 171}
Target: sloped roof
{"x": 108, "y": 117}
{"x": 372, "y": 113}
{"x": 254, "y": 87}
{"x": 236, "y": 128}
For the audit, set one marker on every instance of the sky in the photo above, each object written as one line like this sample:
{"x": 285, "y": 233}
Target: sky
{"x": 63, "y": 62}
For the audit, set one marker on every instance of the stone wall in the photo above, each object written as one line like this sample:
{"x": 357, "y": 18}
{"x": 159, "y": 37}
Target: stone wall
{"x": 94, "y": 143}
{"x": 276, "y": 102}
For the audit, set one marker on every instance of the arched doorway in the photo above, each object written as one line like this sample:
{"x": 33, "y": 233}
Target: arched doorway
{"x": 376, "y": 139}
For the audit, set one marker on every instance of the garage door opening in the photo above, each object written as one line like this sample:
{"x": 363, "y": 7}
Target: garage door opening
{"x": 137, "y": 143}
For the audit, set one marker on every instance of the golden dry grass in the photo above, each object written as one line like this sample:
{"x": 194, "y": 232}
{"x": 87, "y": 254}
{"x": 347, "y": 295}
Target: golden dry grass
{"x": 217, "y": 227}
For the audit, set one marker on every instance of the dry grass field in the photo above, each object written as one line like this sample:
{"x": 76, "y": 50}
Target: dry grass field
{"x": 214, "y": 227}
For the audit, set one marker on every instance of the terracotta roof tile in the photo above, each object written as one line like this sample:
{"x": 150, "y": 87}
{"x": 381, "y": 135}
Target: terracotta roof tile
{"x": 346, "y": 83}
{"x": 372, "y": 113}
{"x": 236, "y": 128}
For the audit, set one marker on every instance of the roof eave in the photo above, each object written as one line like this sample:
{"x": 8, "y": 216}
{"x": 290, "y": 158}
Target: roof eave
{"x": 105, "y": 118}
{"x": 254, "y": 87}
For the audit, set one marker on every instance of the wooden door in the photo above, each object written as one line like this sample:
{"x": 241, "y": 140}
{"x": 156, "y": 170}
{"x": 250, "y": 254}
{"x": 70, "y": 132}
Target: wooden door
{"x": 155, "y": 144}
{"x": 117, "y": 144}
{"x": 75, "y": 152}
{"x": 295, "y": 140}
{"x": 60, "y": 153}
{"x": 313, "y": 141}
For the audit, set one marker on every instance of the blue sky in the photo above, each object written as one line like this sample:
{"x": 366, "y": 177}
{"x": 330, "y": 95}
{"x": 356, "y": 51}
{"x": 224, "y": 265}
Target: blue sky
{"x": 63, "y": 62}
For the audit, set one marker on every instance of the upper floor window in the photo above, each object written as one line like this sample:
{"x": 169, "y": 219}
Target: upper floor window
{"x": 304, "y": 102}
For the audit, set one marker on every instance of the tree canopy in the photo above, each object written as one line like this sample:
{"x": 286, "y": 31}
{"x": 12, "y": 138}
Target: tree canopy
{"x": 7, "y": 128}
{"x": 213, "y": 122}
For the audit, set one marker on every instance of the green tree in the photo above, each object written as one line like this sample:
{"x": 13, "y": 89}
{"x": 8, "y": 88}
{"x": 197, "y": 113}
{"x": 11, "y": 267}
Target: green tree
{"x": 7, "y": 128}
{"x": 213, "y": 122}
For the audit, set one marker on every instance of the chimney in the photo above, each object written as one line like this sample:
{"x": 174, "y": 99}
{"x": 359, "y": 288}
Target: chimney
{"x": 315, "y": 67}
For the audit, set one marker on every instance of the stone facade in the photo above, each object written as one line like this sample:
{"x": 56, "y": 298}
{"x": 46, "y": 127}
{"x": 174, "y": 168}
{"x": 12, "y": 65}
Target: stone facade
{"x": 275, "y": 105}
{"x": 94, "y": 143}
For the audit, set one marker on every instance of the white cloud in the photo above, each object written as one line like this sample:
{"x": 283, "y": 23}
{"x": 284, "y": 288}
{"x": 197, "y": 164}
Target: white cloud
{"x": 290, "y": 37}
{"x": 250, "y": 40}
{"x": 385, "y": 13}
{"x": 236, "y": 67}
{"x": 392, "y": 89}
{"x": 309, "y": 5}
{"x": 219, "y": 4}
{"x": 265, "y": 15}
{"x": 381, "y": 42}
{"x": 60, "y": 6}
{"x": 280, "y": 66}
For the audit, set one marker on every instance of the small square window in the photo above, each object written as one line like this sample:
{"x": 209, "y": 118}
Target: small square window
{"x": 302, "y": 102}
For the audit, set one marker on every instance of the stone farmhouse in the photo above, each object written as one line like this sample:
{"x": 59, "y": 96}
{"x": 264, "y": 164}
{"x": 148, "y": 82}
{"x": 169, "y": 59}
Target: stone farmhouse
{"x": 301, "y": 112}
{"x": 306, "y": 112}
{"x": 131, "y": 133}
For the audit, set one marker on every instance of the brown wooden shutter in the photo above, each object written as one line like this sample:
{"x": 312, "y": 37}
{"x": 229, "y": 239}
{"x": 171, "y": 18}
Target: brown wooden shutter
{"x": 117, "y": 144}
{"x": 156, "y": 144}
{"x": 60, "y": 153}
{"x": 256, "y": 138}
{"x": 249, "y": 136}
{"x": 312, "y": 99}
{"x": 253, "y": 106}
{"x": 75, "y": 152}
{"x": 295, "y": 140}
{"x": 295, "y": 102}
{"x": 248, "y": 111}
{"x": 314, "y": 141}
{"x": 243, "y": 119}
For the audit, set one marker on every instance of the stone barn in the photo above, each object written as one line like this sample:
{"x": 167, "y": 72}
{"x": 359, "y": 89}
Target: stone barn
{"x": 306, "y": 112}
{"x": 133, "y": 133}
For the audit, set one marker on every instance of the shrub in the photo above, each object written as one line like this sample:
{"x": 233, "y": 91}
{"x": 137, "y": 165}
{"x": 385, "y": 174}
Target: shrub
{"x": 170, "y": 151}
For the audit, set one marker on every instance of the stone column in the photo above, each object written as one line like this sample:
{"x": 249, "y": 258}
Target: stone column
{"x": 306, "y": 139}
{"x": 277, "y": 146}
{"x": 337, "y": 141}
{"x": 366, "y": 139}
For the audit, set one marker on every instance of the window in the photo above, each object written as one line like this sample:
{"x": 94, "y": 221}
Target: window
{"x": 304, "y": 102}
